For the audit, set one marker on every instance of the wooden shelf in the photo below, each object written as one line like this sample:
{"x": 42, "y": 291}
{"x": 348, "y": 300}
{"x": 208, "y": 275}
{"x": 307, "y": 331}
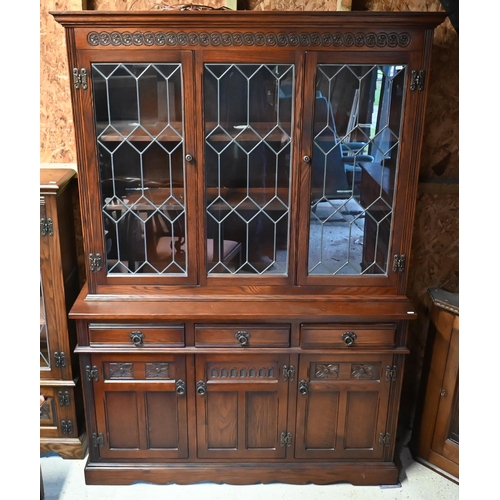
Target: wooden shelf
{"x": 138, "y": 132}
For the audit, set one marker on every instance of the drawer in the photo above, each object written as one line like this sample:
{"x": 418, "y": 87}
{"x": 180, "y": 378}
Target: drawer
{"x": 348, "y": 335}
{"x": 105, "y": 335}
{"x": 242, "y": 336}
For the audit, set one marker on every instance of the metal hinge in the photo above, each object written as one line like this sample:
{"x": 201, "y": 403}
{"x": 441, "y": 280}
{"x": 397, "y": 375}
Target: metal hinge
{"x": 97, "y": 439}
{"x": 288, "y": 372}
{"x": 46, "y": 227}
{"x": 60, "y": 359}
{"x": 417, "y": 80}
{"x": 92, "y": 373}
{"x": 286, "y": 439}
{"x": 63, "y": 398}
{"x": 66, "y": 427}
{"x": 80, "y": 78}
{"x": 390, "y": 373}
{"x": 399, "y": 263}
{"x": 95, "y": 262}
{"x": 384, "y": 439}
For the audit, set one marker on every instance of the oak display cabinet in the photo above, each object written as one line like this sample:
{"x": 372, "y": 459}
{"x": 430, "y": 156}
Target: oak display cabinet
{"x": 62, "y": 427}
{"x": 247, "y": 185}
{"x": 435, "y": 437}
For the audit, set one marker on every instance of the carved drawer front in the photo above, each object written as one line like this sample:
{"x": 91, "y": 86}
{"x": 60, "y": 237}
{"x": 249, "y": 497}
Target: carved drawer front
{"x": 351, "y": 336}
{"x": 102, "y": 335}
{"x": 242, "y": 336}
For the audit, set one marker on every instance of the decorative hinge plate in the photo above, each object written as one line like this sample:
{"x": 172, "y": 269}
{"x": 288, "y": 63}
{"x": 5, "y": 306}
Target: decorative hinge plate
{"x": 384, "y": 439}
{"x": 286, "y": 439}
{"x": 97, "y": 439}
{"x": 63, "y": 398}
{"x": 399, "y": 263}
{"x": 390, "y": 373}
{"x": 80, "y": 78}
{"x": 60, "y": 359}
{"x": 288, "y": 372}
{"x": 67, "y": 427}
{"x": 92, "y": 373}
{"x": 46, "y": 227}
{"x": 95, "y": 262}
{"x": 417, "y": 80}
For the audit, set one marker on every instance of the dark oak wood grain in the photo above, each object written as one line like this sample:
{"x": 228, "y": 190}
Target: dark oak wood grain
{"x": 243, "y": 378}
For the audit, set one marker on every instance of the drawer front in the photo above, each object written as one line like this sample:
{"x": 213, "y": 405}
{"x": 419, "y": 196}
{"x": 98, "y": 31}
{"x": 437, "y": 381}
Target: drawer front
{"x": 242, "y": 336}
{"x": 102, "y": 335}
{"x": 349, "y": 336}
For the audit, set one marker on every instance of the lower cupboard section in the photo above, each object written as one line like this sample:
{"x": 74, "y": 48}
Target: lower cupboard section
{"x": 294, "y": 418}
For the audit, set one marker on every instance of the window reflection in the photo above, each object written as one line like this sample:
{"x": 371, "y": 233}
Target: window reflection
{"x": 357, "y": 121}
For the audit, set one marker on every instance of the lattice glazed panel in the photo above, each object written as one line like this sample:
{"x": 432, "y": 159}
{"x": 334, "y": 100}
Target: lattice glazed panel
{"x": 358, "y": 116}
{"x": 140, "y": 140}
{"x": 248, "y": 137}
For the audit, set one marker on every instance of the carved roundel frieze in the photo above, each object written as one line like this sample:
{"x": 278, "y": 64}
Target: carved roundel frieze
{"x": 216, "y": 39}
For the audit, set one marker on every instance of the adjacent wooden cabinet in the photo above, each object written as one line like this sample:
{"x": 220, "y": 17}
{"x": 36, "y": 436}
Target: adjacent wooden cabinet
{"x": 61, "y": 415}
{"x": 435, "y": 439}
{"x": 247, "y": 186}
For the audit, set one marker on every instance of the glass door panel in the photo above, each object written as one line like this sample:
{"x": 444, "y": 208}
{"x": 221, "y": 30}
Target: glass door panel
{"x": 248, "y": 139}
{"x": 357, "y": 126}
{"x": 140, "y": 140}
{"x": 44, "y": 337}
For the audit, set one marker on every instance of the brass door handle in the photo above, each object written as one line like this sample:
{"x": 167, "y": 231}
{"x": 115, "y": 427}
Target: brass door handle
{"x": 180, "y": 387}
{"x": 137, "y": 338}
{"x": 201, "y": 388}
{"x": 349, "y": 338}
{"x": 242, "y": 337}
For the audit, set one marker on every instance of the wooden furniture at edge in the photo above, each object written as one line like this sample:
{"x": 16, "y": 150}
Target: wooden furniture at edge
{"x": 61, "y": 414}
{"x": 217, "y": 374}
{"x": 435, "y": 441}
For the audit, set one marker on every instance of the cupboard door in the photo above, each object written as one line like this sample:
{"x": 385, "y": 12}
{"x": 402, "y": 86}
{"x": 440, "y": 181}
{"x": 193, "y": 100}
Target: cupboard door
{"x": 140, "y": 405}
{"x": 248, "y": 137}
{"x": 354, "y": 138}
{"x": 140, "y": 173}
{"x": 342, "y": 406}
{"x": 241, "y": 406}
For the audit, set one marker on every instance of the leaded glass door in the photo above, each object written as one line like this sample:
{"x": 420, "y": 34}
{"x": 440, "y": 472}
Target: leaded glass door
{"x": 355, "y": 142}
{"x": 145, "y": 161}
{"x": 248, "y": 135}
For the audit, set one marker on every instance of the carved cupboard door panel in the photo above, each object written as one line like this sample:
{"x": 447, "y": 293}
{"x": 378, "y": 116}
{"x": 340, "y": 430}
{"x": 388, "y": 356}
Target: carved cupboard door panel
{"x": 241, "y": 406}
{"x": 141, "y": 406}
{"x": 342, "y": 406}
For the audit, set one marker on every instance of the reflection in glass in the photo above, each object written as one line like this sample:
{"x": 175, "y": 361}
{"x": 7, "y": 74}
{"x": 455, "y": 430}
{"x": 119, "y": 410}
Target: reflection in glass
{"x": 44, "y": 339}
{"x": 248, "y": 134}
{"x": 139, "y": 129}
{"x": 357, "y": 123}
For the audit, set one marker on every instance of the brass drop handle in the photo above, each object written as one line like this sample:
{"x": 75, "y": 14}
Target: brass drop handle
{"x": 307, "y": 159}
{"x": 303, "y": 387}
{"x": 180, "y": 387}
{"x": 201, "y": 388}
{"x": 137, "y": 338}
{"x": 349, "y": 338}
{"x": 189, "y": 158}
{"x": 242, "y": 337}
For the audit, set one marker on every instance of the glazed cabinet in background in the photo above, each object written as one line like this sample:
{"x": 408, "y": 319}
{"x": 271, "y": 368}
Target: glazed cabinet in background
{"x": 61, "y": 415}
{"x": 247, "y": 186}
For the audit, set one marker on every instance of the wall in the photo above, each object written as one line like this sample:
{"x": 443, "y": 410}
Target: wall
{"x": 434, "y": 260}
